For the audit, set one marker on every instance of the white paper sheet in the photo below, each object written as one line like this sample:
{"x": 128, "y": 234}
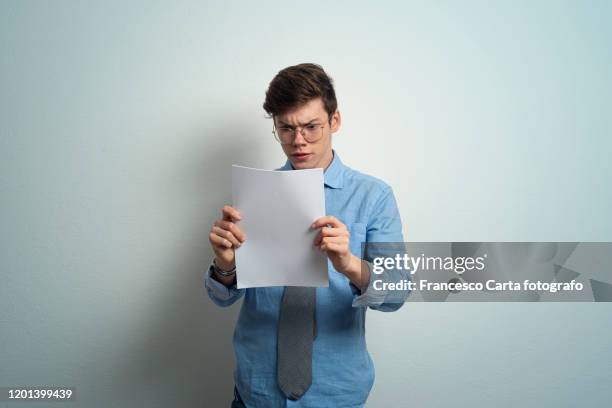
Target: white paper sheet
{"x": 277, "y": 209}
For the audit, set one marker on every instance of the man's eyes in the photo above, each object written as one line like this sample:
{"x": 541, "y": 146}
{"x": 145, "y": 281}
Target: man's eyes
{"x": 311, "y": 126}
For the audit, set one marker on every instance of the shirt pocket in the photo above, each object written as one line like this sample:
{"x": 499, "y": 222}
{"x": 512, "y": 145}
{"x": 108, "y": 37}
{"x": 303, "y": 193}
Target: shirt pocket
{"x": 357, "y": 232}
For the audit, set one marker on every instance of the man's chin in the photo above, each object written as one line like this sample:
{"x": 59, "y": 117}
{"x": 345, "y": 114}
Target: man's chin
{"x": 302, "y": 165}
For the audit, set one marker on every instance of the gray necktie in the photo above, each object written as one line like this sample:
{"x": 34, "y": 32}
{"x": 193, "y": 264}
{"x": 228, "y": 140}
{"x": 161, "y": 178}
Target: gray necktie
{"x": 296, "y": 331}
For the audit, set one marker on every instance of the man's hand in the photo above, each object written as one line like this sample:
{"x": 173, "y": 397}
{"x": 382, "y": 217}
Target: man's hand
{"x": 225, "y": 236}
{"x": 334, "y": 239}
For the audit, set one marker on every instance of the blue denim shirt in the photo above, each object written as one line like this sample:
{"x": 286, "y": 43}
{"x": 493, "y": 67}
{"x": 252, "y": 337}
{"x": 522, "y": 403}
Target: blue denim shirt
{"x": 342, "y": 370}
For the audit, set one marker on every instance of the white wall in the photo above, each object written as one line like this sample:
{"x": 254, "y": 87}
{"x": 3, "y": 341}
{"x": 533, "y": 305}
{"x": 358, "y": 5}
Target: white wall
{"x": 118, "y": 126}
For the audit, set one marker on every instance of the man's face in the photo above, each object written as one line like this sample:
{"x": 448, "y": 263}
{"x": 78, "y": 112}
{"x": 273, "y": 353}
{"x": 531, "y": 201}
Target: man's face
{"x": 301, "y": 153}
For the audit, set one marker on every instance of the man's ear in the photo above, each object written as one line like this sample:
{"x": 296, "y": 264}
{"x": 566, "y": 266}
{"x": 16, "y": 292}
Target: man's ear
{"x": 335, "y": 121}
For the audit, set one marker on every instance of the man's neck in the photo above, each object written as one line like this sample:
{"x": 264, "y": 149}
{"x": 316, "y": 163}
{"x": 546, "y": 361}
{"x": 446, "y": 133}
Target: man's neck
{"x": 329, "y": 160}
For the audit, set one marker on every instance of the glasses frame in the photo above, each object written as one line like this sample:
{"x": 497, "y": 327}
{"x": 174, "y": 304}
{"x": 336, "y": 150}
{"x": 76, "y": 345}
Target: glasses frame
{"x": 293, "y": 133}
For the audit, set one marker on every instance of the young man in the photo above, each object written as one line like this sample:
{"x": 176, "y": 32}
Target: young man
{"x": 305, "y": 347}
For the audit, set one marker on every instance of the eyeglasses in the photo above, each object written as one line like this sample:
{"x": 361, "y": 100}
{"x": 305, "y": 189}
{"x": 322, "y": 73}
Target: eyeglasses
{"x": 311, "y": 132}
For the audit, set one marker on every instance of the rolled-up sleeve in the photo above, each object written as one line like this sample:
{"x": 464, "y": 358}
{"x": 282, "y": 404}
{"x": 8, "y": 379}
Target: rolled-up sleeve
{"x": 220, "y": 294}
{"x": 369, "y": 297}
{"x": 384, "y": 226}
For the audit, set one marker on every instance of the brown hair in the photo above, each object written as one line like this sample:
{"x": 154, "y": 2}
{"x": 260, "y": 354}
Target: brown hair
{"x": 298, "y": 84}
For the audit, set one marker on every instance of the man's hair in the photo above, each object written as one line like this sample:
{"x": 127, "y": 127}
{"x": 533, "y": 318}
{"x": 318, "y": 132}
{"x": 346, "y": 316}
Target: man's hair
{"x": 296, "y": 85}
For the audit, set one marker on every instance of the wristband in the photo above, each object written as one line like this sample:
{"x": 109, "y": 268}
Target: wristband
{"x": 221, "y": 271}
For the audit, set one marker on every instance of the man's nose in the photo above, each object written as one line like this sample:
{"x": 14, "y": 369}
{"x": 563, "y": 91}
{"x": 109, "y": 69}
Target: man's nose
{"x": 298, "y": 138}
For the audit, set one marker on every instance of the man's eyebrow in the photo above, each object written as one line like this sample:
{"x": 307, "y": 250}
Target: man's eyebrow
{"x": 307, "y": 123}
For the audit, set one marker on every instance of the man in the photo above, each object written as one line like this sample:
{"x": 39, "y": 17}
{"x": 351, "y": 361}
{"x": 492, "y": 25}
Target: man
{"x": 305, "y": 347}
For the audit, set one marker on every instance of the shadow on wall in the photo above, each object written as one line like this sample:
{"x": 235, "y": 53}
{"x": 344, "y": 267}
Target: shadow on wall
{"x": 185, "y": 358}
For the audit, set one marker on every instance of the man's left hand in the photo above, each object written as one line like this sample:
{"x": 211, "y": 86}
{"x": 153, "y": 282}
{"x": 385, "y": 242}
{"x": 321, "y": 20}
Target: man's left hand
{"x": 334, "y": 239}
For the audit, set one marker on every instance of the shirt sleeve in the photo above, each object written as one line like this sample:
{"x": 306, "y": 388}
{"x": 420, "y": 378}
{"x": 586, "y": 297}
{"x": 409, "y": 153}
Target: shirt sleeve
{"x": 220, "y": 294}
{"x": 368, "y": 297}
{"x": 384, "y": 226}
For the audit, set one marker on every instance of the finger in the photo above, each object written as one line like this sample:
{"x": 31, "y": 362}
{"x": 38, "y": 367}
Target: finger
{"x": 331, "y": 247}
{"x": 335, "y": 244}
{"x": 227, "y": 235}
{"x": 218, "y": 241}
{"x": 336, "y": 240}
{"x": 333, "y": 232}
{"x": 230, "y": 213}
{"x": 328, "y": 219}
{"x": 330, "y": 232}
{"x": 318, "y": 239}
{"x": 233, "y": 228}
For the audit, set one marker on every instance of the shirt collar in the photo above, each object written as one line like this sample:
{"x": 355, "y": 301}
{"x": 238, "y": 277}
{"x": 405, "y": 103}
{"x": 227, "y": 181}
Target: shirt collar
{"x": 333, "y": 175}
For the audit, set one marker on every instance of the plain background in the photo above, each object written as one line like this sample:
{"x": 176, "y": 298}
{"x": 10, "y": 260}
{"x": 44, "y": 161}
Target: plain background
{"x": 119, "y": 122}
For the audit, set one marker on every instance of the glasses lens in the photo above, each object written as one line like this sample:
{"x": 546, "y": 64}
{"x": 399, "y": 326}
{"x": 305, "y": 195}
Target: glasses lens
{"x": 311, "y": 133}
{"x": 285, "y": 134}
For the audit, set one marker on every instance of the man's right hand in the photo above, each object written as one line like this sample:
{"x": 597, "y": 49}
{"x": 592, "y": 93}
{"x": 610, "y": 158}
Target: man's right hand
{"x": 225, "y": 236}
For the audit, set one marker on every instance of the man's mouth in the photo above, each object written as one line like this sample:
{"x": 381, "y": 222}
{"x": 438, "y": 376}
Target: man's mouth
{"x": 301, "y": 156}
